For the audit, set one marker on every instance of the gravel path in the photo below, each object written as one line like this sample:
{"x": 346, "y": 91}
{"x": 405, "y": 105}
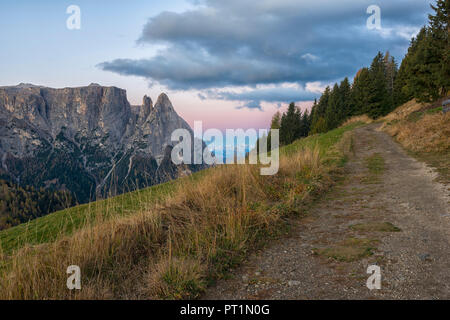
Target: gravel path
{"x": 327, "y": 254}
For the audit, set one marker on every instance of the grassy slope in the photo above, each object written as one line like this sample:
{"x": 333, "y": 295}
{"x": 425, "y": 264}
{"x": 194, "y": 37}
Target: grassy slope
{"x": 424, "y": 131}
{"x": 168, "y": 241}
{"x": 65, "y": 222}
{"x": 52, "y": 226}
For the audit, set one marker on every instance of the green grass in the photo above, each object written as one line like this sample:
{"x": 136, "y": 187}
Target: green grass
{"x": 434, "y": 110}
{"x": 63, "y": 223}
{"x": 348, "y": 250}
{"x": 375, "y": 226}
{"x": 417, "y": 115}
{"x": 182, "y": 283}
{"x": 375, "y": 163}
{"x": 325, "y": 142}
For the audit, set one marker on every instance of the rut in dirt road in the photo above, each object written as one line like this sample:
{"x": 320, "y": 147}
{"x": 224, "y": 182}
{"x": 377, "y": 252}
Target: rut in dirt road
{"x": 388, "y": 212}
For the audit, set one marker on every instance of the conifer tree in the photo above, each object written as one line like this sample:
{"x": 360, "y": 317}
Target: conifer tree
{"x": 290, "y": 125}
{"x": 425, "y": 71}
{"x": 305, "y": 124}
{"x": 346, "y": 99}
{"x": 402, "y": 88}
{"x": 276, "y": 121}
{"x": 360, "y": 92}
{"x": 440, "y": 45}
{"x": 332, "y": 110}
{"x": 319, "y": 123}
{"x": 391, "y": 69}
{"x": 378, "y": 91}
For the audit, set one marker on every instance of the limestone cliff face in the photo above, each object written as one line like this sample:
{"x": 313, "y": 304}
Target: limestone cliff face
{"x": 87, "y": 140}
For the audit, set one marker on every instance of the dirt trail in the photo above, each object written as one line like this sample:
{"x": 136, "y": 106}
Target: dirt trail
{"x": 354, "y": 226}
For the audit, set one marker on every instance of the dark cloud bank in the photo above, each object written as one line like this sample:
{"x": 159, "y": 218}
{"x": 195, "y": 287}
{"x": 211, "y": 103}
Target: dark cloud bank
{"x": 269, "y": 42}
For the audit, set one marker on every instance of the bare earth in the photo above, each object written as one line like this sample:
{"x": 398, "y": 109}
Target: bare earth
{"x": 415, "y": 262}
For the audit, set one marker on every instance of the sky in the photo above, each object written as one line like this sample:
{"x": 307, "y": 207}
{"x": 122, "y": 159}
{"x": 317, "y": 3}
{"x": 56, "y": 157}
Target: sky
{"x": 227, "y": 63}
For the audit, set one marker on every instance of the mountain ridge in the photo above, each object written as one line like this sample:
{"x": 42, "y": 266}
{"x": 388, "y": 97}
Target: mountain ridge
{"x": 88, "y": 140}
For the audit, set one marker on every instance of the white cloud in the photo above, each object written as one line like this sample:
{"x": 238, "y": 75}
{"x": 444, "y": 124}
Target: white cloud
{"x": 316, "y": 86}
{"x": 310, "y": 57}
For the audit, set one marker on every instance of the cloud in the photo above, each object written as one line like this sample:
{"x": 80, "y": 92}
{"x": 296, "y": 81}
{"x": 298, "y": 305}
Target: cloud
{"x": 310, "y": 57}
{"x": 316, "y": 86}
{"x": 250, "y": 43}
{"x": 273, "y": 94}
{"x": 255, "y": 104}
{"x": 253, "y": 97}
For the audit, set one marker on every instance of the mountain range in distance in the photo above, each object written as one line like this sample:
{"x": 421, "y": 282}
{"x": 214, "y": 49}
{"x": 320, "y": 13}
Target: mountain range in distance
{"x": 88, "y": 141}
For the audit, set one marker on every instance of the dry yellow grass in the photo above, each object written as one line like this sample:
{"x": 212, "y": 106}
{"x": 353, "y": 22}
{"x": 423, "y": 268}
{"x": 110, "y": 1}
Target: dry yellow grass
{"x": 170, "y": 249}
{"x": 363, "y": 118}
{"x": 404, "y": 111}
{"x": 427, "y": 132}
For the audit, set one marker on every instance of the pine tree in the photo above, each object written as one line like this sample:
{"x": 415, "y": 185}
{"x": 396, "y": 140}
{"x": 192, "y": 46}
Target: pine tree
{"x": 378, "y": 90}
{"x": 391, "y": 70}
{"x": 425, "y": 70}
{"x": 290, "y": 125}
{"x": 360, "y": 92}
{"x": 276, "y": 121}
{"x": 319, "y": 123}
{"x": 346, "y": 100}
{"x": 391, "y": 73}
{"x": 404, "y": 83}
{"x": 305, "y": 124}
{"x": 425, "y": 63}
{"x": 440, "y": 45}
{"x": 332, "y": 110}
{"x": 313, "y": 114}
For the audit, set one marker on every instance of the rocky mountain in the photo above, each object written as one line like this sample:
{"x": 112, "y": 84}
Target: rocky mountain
{"x": 87, "y": 140}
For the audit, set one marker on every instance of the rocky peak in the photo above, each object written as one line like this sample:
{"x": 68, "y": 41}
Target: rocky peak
{"x": 146, "y": 108}
{"x": 26, "y": 85}
{"x": 147, "y": 103}
{"x": 163, "y": 102}
{"x": 20, "y": 86}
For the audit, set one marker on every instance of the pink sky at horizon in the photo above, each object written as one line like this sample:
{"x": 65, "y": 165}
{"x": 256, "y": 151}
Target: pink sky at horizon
{"x": 223, "y": 115}
{"x": 219, "y": 114}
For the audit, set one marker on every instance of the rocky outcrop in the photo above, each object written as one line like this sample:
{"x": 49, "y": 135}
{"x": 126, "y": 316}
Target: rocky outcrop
{"x": 87, "y": 140}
